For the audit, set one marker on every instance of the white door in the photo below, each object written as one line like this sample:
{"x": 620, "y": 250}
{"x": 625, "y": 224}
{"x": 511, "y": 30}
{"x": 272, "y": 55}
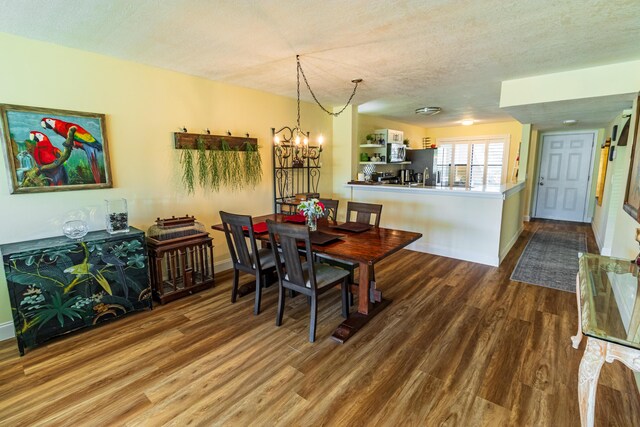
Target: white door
{"x": 564, "y": 176}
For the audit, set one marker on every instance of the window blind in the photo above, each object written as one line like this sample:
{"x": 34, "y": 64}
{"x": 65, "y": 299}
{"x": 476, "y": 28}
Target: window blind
{"x": 475, "y": 161}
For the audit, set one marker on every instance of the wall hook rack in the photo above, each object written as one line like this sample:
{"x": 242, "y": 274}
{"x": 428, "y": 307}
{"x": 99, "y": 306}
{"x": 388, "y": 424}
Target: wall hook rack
{"x": 212, "y": 142}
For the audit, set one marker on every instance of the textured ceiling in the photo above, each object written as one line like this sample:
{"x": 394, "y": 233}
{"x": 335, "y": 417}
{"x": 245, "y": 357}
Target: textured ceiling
{"x": 452, "y": 54}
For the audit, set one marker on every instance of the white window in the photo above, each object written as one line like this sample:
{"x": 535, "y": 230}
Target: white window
{"x": 473, "y": 161}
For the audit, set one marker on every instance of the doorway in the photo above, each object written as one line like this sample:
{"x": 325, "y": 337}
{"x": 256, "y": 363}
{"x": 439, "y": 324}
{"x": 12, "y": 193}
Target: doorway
{"x": 564, "y": 176}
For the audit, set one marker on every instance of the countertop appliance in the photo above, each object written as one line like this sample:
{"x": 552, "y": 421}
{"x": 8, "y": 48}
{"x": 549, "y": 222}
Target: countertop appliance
{"x": 386, "y": 177}
{"x": 405, "y": 176}
{"x": 389, "y": 179}
{"x": 396, "y": 152}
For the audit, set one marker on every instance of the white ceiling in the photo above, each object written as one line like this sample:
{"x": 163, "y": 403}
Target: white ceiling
{"x": 452, "y": 54}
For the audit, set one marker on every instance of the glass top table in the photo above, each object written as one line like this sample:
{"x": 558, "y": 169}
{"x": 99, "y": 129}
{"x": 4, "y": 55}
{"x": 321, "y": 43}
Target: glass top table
{"x": 610, "y": 301}
{"x": 609, "y": 315}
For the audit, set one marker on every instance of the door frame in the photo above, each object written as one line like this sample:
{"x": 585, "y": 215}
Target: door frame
{"x": 541, "y": 136}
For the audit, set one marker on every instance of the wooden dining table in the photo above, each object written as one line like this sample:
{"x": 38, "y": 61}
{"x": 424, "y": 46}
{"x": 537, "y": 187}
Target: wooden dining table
{"x": 364, "y": 248}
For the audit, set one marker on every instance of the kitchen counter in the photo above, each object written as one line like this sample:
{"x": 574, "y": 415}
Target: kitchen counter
{"x": 488, "y": 191}
{"x": 478, "y": 224}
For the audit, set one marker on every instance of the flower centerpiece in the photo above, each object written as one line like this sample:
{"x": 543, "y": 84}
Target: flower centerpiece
{"x": 312, "y": 209}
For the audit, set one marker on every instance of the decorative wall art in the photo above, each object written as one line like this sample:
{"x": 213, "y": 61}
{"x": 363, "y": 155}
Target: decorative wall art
{"x": 632, "y": 196}
{"x": 54, "y": 150}
{"x": 602, "y": 170}
{"x": 220, "y": 161}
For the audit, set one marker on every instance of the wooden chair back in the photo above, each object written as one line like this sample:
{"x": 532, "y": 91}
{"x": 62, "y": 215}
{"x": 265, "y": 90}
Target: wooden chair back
{"x": 237, "y": 241}
{"x": 292, "y": 272}
{"x": 330, "y": 208}
{"x": 364, "y": 211}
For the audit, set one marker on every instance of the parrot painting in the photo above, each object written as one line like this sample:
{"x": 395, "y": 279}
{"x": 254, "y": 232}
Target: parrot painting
{"x": 45, "y": 153}
{"x": 82, "y": 139}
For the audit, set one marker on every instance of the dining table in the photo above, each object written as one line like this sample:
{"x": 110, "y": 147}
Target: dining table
{"x": 366, "y": 248}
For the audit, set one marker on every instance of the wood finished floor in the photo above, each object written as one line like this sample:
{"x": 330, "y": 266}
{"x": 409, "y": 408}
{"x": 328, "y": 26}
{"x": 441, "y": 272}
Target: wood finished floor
{"x": 461, "y": 345}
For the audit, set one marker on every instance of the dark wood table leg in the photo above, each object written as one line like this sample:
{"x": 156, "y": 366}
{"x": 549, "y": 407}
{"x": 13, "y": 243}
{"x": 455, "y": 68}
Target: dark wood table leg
{"x": 246, "y": 289}
{"x": 250, "y": 287}
{"x": 367, "y": 309}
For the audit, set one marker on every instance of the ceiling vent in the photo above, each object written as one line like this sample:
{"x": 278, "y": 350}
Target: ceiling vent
{"x": 428, "y": 111}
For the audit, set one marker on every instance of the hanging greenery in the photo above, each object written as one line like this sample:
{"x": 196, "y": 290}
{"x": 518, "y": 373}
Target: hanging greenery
{"x": 218, "y": 161}
{"x": 252, "y": 165}
{"x": 215, "y": 177}
{"x": 231, "y": 166}
{"x": 225, "y": 162}
{"x": 203, "y": 166}
{"x": 186, "y": 159}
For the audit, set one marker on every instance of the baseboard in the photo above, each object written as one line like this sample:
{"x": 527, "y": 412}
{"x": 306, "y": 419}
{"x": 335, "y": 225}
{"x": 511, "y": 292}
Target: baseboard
{"x": 514, "y": 239}
{"x": 223, "y": 265}
{"x": 526, "y": 218}
{"x": 446, "y": 251}
{"x": 596, "y": 233}
{"x": 7, "y": 331}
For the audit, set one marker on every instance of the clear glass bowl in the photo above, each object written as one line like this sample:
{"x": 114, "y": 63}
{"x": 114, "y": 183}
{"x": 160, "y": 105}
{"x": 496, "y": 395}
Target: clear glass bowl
{"x": 75, "y": 229}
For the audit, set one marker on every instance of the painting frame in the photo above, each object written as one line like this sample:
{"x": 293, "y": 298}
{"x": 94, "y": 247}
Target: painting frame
{"x": 632, "y": 193}
{"x": 43, "y": 160}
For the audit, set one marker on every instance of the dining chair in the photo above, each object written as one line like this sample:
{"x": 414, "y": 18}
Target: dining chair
{"x": 258, "y": 262}
{"x": 330, "y": 208}
{"x": 309, "y": 278}
{"x": 363, "y": 213}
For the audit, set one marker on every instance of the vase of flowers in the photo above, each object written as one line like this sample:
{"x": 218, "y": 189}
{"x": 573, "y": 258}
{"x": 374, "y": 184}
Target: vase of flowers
{"x": 312, "y": 209}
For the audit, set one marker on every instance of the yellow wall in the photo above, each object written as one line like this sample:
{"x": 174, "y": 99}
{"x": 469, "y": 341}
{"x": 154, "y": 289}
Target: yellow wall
{"x": 511, "y": 222}
{"x": 624, "y": 228}
{"x": 615, "y": 183}
{"x": 344, "y": 154}
{"x": 532, "y": 159}
{"x": 143, "y": 105}
{"x": 367, "y": 124}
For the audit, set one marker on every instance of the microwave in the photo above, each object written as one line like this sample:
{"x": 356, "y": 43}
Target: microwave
{"x": 396, "y": 152}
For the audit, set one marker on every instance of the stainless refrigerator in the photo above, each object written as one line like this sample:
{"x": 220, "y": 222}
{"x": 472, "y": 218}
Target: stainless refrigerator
{"x": 425, "y": 159}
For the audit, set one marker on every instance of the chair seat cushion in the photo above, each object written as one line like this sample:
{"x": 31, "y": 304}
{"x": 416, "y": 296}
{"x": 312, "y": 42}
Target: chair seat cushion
{"x": 266, "y": 258}
{"x": 325, "y": 275}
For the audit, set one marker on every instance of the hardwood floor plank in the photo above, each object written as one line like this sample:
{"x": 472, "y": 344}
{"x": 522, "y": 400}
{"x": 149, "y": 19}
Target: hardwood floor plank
{"x": 533, "y": 407}
{"x": 459, "y": 345}
{"x": 540, "y": 365}
{"x": 411, "y": 402}
{"x": 503, "y": 371}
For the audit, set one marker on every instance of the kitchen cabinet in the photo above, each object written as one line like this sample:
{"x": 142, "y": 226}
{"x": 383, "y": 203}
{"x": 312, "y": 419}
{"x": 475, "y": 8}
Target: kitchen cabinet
{"x": 57, "y": 285}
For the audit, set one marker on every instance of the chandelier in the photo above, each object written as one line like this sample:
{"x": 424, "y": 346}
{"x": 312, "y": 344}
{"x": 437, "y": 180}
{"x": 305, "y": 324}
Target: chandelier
{"x": 293, "y": 140}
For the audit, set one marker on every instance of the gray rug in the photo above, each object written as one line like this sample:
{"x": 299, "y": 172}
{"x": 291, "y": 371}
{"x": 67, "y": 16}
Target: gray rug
{"x": 551, "y": 260}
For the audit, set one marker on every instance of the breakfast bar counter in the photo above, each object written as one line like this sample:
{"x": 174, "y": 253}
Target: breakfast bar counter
{"x": 478, "y": 224}
{"x": 488, "y": 191}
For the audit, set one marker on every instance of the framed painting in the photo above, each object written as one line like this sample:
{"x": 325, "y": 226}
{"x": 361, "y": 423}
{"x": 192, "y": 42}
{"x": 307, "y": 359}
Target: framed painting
{"x": 54, "y": 150}
{"x": 602, "y": 170}
{"x": 632, "y": 195}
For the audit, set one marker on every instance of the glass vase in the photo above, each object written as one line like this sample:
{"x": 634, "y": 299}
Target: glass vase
{"x": 117, "y": 218}
{"x": 312, "y": 222}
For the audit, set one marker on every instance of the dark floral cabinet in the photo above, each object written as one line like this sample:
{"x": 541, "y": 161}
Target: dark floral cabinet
{"x": 57, "y": 285}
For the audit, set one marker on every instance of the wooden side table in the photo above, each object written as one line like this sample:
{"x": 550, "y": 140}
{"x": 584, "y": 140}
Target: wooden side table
{"x": 609, "y": 315}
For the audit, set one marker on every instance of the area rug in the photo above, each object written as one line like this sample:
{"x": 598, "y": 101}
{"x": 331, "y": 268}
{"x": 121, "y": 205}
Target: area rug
{"x": 551, "y": 259}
